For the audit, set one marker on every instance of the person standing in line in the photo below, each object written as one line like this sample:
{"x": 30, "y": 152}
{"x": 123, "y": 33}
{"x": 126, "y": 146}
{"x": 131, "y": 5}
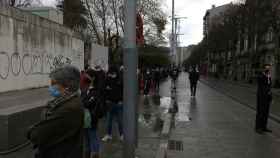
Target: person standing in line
{"x": 114, "y": 97}
{"x": 91, "y": 103}
{"x": 60, "y": 132}
{"x": 264, "y": 98}
{"x": 193, "y": 77}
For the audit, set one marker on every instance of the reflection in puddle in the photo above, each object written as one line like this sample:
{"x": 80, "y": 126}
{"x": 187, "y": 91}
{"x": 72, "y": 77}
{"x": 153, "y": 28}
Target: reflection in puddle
{"x": 147, "y": 116}
{"x": 152, "y": 121}
{"x": 193, "y": 101}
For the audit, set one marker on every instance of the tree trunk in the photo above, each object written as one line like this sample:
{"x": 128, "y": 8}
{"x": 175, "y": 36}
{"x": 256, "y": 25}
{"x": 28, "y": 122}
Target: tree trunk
{"x": 104, "y": 23}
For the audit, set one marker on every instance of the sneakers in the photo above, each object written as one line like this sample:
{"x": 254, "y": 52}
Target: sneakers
{"x": 107, "y": 138}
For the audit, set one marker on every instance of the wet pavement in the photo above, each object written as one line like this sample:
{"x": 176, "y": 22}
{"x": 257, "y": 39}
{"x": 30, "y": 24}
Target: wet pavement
{"x": 149, "y": 123}
{"x": 220, "y": 127}
{"x": 149, "y": 127}
{"x": 244, "y": 93}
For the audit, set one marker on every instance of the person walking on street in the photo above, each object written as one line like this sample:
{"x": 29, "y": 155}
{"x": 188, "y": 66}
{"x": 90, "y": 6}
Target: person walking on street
{"x": 114, "y": 95}
{"x": 147, "y": 82}
{"x": 174, "y": 73}
{"x": 264, "y": 98}
{"x": 193, "y": 77}
{"x": 60, "y": 132}
{"x": 157, "y": 79}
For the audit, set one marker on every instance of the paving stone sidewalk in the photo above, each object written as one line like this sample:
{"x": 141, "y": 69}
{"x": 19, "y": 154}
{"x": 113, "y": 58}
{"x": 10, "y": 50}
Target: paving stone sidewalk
{"x": 220, "y": 127}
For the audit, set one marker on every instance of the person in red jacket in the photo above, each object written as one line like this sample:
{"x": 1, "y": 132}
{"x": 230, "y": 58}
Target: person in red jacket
{"x": 85, "y": 80}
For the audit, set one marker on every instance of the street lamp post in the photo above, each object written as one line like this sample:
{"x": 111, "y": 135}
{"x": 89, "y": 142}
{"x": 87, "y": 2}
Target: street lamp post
{"x": 130, "y": 79}
{"x": 173, "y": 34}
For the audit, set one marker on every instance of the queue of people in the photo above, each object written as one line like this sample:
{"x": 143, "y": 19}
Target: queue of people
{"x": 69, "y": 126}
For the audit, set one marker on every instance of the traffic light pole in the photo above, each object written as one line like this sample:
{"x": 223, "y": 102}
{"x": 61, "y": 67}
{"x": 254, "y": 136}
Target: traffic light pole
{"x": 130, "y": 58}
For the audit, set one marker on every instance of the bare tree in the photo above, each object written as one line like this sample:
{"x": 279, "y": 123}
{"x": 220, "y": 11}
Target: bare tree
{"x": 92, "y": 21}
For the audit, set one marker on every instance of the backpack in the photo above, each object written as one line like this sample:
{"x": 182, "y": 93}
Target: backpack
{"x": 87, "y": 118}
{"x": 95, "y": 103}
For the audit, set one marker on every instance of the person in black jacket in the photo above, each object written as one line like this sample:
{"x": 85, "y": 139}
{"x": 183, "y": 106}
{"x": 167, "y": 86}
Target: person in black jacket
{"x": 114, "y": 97}
{"x": 193, "y": 77}
{"x": 147, "y": 82}
{"x": 157, "y": 78}
{"x": 91, "y": 102}
{"x": 264, "y": 98}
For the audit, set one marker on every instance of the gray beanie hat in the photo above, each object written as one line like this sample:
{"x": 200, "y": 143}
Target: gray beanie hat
{"x": 67, "y": 76}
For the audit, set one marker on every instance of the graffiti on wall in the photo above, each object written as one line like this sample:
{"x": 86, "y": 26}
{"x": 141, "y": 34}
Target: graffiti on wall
{"x": 29, "y": 64}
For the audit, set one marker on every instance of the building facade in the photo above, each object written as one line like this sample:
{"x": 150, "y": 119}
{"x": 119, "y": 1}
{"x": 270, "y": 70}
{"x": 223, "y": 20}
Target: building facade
{"x": 250, "y": 52}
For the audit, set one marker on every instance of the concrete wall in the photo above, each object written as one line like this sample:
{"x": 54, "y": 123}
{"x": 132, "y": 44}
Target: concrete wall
{"x": 31, "y": 46}
{"x": 99, "y": 56}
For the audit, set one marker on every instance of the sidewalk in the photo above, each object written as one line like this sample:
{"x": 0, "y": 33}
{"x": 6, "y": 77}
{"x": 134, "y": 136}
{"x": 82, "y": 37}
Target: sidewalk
{"x": 149, "y": 129}
{"x": 219, "y": 127}
{"x": 148, "y": 125}
{"x": 252, "y": 87}
{"x": 244, "y": 95}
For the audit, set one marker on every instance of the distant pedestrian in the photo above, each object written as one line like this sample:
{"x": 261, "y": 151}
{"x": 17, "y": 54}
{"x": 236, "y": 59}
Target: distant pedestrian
{"x": 174, "y": 73}
{"x": 114, "y": 97}
{"x": 193, "y": 77}
{"x": 264, "y": 98}
{"x": 60, "y": 132}
{"x": 147, "y": 82}
{"x": 157, "y": 78}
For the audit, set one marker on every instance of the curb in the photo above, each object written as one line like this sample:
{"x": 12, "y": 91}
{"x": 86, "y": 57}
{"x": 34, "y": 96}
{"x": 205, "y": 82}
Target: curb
{"x": 271, "y": 116}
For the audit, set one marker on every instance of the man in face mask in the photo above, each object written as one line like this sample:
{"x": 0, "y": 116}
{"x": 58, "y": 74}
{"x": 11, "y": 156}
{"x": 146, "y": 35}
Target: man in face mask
{"x": 60, "y": 132}
{"x": 264, "y": 98}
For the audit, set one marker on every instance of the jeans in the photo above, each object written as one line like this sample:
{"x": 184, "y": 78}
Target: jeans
{"x": 117, "y": 113}
{"x": 92, "y": 140}
{"x": 193, "y": 89}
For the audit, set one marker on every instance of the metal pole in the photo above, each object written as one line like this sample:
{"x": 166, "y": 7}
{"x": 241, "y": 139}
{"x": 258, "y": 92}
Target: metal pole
{"x": 175, "y": 41}
{"x": 130, "y": 79}
{"x": 173, "y": 35}
{"x": 4, "y": 3}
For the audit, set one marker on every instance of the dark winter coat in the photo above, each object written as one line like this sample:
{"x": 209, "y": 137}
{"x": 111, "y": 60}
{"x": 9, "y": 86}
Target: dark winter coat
{"x": 264, "y": 94}
{"x": 60, "y": 133}
{"x": 194, "y": 77}
{"x": 114, "y": 89}
{"x": 91, "y": 102}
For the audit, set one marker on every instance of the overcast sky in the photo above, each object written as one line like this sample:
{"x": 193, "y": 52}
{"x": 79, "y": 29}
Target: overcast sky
{"x": 194, "y": 10}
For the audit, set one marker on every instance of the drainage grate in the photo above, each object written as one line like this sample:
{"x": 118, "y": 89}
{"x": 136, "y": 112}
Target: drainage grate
{"x": 175, "y": 145}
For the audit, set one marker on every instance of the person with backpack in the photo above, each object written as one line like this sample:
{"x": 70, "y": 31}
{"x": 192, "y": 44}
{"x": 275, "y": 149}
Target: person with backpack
{"x": 92, "y": 105}
{"x": 114, "y": 97}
